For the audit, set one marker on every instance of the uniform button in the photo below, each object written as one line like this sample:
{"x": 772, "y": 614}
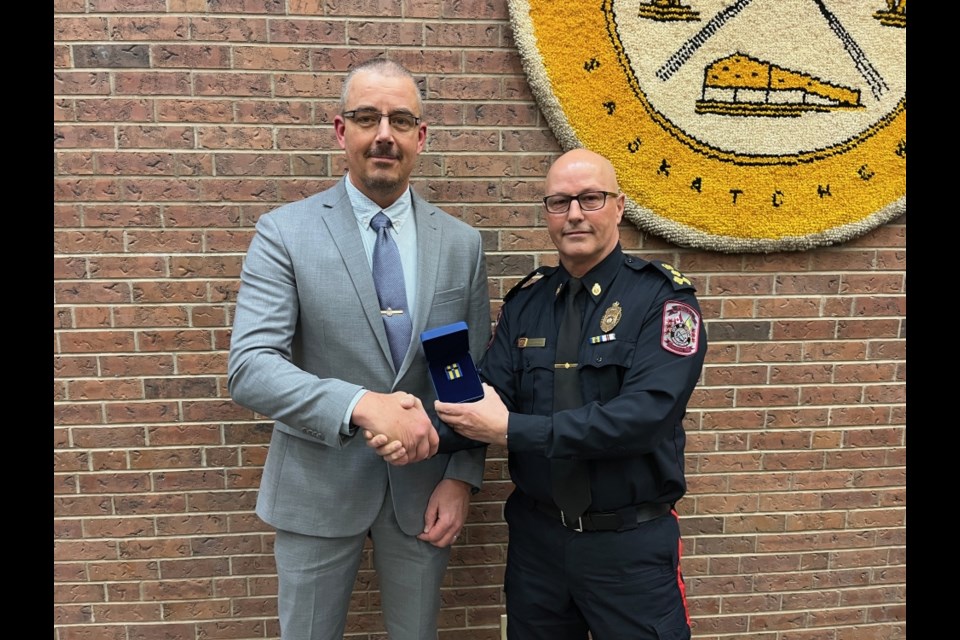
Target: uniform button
{"x": 599, "y": 359}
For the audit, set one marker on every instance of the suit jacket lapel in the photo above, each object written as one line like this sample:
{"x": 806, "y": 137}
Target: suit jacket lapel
{"x": 340, "y": 220}
{"x": 429, "y": 238}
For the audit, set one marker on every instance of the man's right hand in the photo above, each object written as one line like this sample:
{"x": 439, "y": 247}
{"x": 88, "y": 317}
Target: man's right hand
{"x": 399, "y": 417}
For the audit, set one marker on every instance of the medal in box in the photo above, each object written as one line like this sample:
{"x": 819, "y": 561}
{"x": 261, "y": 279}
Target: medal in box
{"x": 452, "y": 369}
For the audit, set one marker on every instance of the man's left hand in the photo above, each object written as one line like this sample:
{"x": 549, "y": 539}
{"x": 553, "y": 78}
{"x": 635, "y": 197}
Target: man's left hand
{"x": 485, "y": 420}
{"x": 446, "y": 513}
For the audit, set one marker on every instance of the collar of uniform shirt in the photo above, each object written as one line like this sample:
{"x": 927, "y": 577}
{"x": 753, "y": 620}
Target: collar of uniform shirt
{"x": 601, "y": 275}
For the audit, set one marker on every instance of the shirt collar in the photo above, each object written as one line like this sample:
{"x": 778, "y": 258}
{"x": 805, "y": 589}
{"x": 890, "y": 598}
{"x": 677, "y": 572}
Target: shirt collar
{"x": 364, "y": 208}
{"x": 597, "y": 281}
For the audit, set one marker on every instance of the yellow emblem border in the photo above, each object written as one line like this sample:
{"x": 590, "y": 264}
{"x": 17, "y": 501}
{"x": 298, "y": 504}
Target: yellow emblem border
{"x": 574, "y": 63}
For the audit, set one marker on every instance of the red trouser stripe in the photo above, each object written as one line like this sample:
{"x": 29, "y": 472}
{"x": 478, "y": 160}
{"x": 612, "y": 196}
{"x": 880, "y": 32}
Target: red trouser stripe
{"x": 680, "y": 583}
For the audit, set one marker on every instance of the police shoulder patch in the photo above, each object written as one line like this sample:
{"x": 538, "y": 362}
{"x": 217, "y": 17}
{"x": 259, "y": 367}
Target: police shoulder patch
{"x": 679, "y": 280}
{"x": 681, "y": 327}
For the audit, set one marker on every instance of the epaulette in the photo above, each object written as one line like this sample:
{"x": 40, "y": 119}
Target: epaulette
{"x": 679, "y": 280}
{"x": 528, "y": 281}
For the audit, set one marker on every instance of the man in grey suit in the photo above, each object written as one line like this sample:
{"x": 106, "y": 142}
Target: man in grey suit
{"x": 314, "y": 348}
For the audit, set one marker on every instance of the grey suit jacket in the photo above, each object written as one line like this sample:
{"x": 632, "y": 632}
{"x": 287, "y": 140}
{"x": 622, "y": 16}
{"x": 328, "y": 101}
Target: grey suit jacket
{"x": 308, "y": 334}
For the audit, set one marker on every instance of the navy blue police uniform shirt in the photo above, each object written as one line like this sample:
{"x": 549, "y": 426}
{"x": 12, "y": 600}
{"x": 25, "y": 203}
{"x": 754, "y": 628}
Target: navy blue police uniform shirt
{"x": 641, "y": 353}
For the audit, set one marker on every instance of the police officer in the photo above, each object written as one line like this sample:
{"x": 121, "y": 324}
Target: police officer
{"x": 592, "y": 419}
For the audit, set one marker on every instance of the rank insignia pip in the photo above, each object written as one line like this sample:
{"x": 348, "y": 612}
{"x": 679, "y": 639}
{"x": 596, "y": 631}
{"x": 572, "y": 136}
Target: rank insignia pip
{"x": 680, "y": 332}
{"x": 611, "y": 317}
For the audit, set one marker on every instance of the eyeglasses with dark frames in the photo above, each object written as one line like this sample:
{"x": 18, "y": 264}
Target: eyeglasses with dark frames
{"x": 402, "y": 121}
{"x": 588, "y": 201}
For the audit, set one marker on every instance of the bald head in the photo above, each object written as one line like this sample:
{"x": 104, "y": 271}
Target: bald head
{"x": 584, "y": 238}
{"x": 583, "y": 161}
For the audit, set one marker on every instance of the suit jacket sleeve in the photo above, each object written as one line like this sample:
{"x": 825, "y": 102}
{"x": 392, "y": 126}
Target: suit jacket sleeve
{"x": 261, "y": 373}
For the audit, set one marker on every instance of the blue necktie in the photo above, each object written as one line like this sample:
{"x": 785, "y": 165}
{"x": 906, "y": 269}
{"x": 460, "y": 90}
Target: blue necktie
{"x": 391, "y": 290}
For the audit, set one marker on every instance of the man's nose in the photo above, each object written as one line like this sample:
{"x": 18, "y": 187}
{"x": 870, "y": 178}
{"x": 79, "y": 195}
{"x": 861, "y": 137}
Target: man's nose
{"x": 384, "y": 131}
{"x": 574, "y": 212}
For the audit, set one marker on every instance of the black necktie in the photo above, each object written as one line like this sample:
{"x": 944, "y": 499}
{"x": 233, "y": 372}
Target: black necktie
{"x": 571, "y": 480}
{"x": 391, "y": 290}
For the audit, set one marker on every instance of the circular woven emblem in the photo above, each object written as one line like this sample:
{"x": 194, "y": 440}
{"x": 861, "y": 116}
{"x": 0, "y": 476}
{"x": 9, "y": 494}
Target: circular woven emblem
{"x": 734, "y": 125}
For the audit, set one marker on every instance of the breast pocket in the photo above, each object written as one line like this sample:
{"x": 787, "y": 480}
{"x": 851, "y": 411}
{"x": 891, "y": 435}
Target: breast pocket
{"x": 535, "y": 373}
{"x": 604, "y": 367}
{"x": 447, "y": 306}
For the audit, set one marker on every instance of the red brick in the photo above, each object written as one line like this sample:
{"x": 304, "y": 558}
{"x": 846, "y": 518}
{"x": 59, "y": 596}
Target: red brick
{"x": 190, "y": 56}
{"x": 229, "y": 84}
{"x": 880, "y": 306}
{"x": 79, "y": 29}
{"x": 69, "y": 6}
{"x": 96, "y": 341}
{"x": 804, "y": 329}
{"x": 891, "y": 259}
{"x": 160, "y": 188}
{"x": 106, "y": 390}
{"x": 140, "y": 28}
{"x": 118, "y": 109}
{"x": 92, "y": 292}
{"x": 65, "y": 550}
{"x": 97, "y": 632}
{"x": 155, "y": 164}
{"x": 201, "y": 215}
{"x": 248, "y": 189}
{"x": 142, "y": 412}
{"x": 152, "y": 83}
{"x": 869, "y": 329}
{"x": 164, "y": 241}
{"x": 77, "y": 593}
{"x": 201, "y": 363}
{"x": 131, "y": 365}
{"x": 126, "y": 612}
{"x": 832, "y": 394}
{"x": 166, "y": 631}
{"x": 190, "y": 110}
{"x": 67, "y": 136}
{"x": 835, "y": 350}
{"x": 167, "y": 136}
{"x": 152, "y": 503}
{"x": 184, "y": 525}
{"x": 127, "y": 267}
{"x": 246, "y": 29}
{"x": 118, "y": 527}
{"x": 72, "y": 614}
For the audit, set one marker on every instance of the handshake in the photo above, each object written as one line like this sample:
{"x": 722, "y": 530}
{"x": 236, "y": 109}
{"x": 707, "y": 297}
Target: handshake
{"x": 396, "y": 425}
{"x": 400, "y": 431}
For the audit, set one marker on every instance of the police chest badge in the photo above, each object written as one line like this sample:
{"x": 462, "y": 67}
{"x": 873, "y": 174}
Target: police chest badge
{"x": 681, "y": 328}
{"x": 611, "y": 317}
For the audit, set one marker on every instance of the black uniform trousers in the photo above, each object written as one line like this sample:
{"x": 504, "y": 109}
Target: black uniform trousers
{"x": 621, "y": 585}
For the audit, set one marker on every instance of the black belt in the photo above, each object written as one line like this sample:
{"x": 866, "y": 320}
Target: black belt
{"x": 619, "y": 520}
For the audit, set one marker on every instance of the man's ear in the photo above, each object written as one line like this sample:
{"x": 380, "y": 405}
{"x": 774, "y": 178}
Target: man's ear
{"x": 339, "y": 127}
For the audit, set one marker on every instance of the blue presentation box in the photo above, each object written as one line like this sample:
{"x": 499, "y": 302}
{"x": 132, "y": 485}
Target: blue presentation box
{"x": 452, "y": 370}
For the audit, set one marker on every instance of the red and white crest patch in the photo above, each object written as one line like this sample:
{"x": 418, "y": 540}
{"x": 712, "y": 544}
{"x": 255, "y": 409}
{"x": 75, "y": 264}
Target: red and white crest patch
{"x": 680, "y": 332}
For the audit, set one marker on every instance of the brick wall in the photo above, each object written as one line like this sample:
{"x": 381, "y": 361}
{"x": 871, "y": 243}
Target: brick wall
{"x": 178, "y": 122}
